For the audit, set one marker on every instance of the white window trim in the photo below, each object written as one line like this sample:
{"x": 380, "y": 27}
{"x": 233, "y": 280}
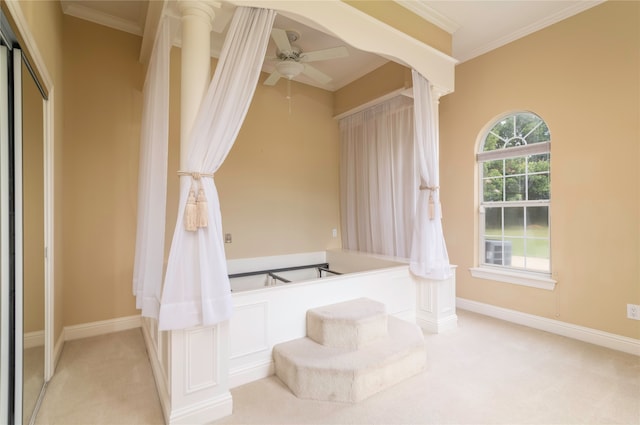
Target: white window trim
{"x": 531, "y": 279}
{"x": 504, "y": 153}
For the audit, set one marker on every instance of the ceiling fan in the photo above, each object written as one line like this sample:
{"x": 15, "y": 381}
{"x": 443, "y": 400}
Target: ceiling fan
{"x": 292, "y": 61}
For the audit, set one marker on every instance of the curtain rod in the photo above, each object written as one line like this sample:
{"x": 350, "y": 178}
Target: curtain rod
{"x": 399, "y": 92}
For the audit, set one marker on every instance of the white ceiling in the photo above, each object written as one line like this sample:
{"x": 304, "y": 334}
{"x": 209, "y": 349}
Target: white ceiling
{"x": 476, "y": 26}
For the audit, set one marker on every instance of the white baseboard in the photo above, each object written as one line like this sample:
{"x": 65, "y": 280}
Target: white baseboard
{"x": 203, "y": 412}
{"x": 102, "y": 327}
{"x": 249, "y": 373}
{"x": 33, "y": 339}
{"x": 581, "y": 333}
{"x": 438, "y": 326}
{"x": 57, "y": 350}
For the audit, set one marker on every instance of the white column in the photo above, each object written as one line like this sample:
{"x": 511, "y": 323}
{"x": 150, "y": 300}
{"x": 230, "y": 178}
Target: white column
{"x": 197, "y": 19}
{"x": 436, "y": 299}
{"x": 198, "y": 372}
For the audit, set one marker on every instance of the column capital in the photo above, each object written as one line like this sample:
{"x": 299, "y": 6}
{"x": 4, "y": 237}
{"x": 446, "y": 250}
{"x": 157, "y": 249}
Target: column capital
{"x": 204, "y": 9}
{"x": 437, "y": 92}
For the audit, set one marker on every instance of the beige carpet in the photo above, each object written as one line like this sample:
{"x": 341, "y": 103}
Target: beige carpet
{"x": 485, "y": 372}
{"x": 102, "y": 380}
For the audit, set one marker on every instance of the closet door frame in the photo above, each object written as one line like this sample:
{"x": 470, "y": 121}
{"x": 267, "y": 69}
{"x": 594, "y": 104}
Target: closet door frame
{"x": 6, "y": 331}
{"x": 13, "y": 18}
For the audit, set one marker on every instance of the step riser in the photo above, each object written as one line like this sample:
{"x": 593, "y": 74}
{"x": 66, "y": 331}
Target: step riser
{"x": 346, "y": 385}
{"x": 350, "y": 324}
{"x": 341, "y": 334}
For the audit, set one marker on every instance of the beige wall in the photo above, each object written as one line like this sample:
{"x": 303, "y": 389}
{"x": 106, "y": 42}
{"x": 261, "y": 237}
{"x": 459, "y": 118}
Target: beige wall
{"x": 278, "y": 187}
{"x": 103, "y": 100}
{"x": 582, "y": 77}
{"x": 44, "y": 20}
{"x": 381, "y": 81}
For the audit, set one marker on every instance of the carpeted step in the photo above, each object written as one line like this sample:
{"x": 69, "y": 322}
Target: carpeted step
{"x": 350, "y": 324}
{"x": 318, "y": 372}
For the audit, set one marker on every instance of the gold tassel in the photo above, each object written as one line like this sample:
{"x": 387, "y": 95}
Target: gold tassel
{"x": 203, "y": 213}
{"x": 191, "y": 212}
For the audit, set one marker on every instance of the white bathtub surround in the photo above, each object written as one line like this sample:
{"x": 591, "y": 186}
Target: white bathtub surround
{"x": 266, "y": 316}
{"x": 352, "y": 351}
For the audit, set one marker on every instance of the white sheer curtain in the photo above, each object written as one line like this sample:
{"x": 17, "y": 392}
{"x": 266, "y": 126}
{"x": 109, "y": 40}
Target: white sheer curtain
{"x": 378, "y": 178}
{"x": 152, "y": 179}
{"x": 429, "y": 256}
{"x": 196, "y": 288}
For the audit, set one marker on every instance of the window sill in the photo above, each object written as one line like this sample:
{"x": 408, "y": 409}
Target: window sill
{"x": 533, "y": 280}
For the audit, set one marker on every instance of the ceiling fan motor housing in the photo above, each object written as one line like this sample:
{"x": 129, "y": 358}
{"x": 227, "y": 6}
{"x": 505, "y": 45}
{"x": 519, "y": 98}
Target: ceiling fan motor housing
{"x": 293, "y": 54}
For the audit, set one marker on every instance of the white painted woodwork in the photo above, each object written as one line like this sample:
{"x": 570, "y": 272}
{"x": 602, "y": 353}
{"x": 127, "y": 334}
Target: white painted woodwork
{"x": 266, "y": 316}
{"x": 436, "y": 304}
{"x": 367, "y": 34}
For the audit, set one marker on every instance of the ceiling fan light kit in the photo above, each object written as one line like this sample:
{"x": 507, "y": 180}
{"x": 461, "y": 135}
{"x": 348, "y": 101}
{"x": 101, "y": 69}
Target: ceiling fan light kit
{"x": 289, "y": 68}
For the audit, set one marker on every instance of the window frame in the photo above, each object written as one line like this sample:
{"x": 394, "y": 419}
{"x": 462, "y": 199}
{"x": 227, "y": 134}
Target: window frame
{"x": 509, "y": 274}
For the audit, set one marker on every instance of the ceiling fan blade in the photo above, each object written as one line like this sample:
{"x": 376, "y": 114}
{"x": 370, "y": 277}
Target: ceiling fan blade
{"x": 316, "y": 74}
{"x": 272, "y": 79}
{"x": 320, "y": 55}
{"x": 280, "y": 38}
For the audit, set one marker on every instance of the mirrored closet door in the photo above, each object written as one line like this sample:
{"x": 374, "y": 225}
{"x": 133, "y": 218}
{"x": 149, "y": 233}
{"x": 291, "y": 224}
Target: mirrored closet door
{"x": 33, "y": 313}
{"x": 22, "y": 236}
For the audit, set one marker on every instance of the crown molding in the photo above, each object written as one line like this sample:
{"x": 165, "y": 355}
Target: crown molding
{"x": 430, "y": 14}
{"x": 565, "y": 13}
{"x": 101, "y": 18}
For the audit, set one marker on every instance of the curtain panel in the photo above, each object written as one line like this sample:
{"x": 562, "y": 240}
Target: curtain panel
{"x": 152, "y": 178}
{"x": 196, "y": 287}
{"x": 429, "y": 257}
{"x": 378, "y": 179}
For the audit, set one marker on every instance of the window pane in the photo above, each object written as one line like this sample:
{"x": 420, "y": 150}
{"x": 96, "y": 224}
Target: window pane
{"x": 515, "y": 166}
{"x": 538, "y": 254}
{"x": 492, "y": 142}
{"x": 504, "y": 129}
{"x": 512, "y": 252}
{"x": 532, "y": 128}
{"x": 514, "y": 221}
{"x": 538, "y": 222}
{"x": 492, "y": 190}
{"x": 515, "y": 188}
{"x": 493, "y": 168}
{"x": 538, "y": 187}
{"x": 538, "y": 163}
{"x": 493, "y": 222}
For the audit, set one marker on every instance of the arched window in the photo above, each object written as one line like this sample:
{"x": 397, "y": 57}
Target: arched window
{"x": 514, "y": 164}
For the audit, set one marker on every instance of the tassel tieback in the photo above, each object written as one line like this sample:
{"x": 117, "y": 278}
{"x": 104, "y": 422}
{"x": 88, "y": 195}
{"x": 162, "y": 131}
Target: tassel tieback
{"x": 196, "y": 214}
{"x": 432, "y": 204}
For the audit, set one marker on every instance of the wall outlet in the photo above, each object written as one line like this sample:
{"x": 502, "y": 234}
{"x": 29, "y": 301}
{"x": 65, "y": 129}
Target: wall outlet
{"x": 633, "y": 311}
{"x": 334, "y": 233}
